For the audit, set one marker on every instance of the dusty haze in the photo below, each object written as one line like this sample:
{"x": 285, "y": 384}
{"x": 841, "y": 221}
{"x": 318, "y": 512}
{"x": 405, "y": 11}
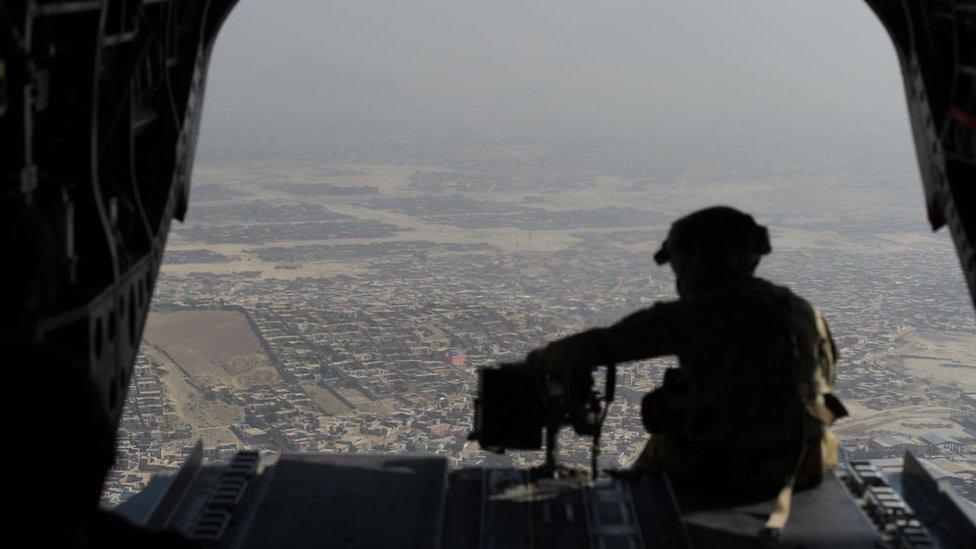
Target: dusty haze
{"x": 311, "y": 75}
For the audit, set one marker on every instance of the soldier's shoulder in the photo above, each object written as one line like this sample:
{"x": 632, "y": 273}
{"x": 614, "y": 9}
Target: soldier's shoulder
{"x": 796, "y": 302}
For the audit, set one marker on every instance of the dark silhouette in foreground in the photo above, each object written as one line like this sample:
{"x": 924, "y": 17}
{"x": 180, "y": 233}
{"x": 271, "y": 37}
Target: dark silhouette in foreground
{"x": 749, "y": 408}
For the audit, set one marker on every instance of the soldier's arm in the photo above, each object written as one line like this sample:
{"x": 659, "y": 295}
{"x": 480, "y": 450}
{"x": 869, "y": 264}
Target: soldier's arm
{"x": 655, "y": 331}
{"x": 826, "y": 404}
{"x": 827, "y": 351}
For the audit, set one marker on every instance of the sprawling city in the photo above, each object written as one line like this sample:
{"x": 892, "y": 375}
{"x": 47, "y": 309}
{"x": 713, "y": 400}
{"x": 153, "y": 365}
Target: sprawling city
{"x": 343, "y": 306}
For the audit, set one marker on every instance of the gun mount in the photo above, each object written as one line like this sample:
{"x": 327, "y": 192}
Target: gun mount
{"x": 519, "y": 409}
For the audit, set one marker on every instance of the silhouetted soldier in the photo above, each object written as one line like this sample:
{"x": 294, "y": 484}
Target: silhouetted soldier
{"x": 750, "y": 405}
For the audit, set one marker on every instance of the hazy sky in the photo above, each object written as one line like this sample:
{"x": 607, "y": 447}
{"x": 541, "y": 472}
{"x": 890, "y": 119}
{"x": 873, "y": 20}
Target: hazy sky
{"x": 288, "y": 69}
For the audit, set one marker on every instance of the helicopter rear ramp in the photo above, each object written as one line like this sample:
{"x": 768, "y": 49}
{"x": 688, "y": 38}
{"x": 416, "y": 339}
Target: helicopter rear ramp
{"x": 316, "y": 500}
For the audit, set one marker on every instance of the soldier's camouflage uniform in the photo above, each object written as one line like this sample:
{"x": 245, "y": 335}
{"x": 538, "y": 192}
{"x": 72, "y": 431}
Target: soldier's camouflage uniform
{"x": 750, "y": 404}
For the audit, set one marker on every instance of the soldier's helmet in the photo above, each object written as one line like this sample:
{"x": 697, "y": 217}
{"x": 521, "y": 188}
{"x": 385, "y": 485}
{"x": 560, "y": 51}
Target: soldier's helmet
{"x": 720, "y": 236}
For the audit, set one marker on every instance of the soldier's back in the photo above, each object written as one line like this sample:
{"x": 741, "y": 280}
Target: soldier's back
{"x": 747, "y": 384}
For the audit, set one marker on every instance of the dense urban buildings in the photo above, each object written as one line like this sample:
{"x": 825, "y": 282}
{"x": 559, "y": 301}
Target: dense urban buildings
{"x": 344, "y": 307}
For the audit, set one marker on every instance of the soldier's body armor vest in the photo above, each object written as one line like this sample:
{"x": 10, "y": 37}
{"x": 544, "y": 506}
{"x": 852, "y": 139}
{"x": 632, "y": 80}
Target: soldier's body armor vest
{"x": 749, "y": 410}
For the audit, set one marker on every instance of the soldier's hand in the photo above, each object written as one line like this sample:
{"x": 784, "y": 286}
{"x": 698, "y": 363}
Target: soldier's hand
{"x": 535, "y": 360}
{"x": 552, "y": 360}
{"x": 531, "y": 364}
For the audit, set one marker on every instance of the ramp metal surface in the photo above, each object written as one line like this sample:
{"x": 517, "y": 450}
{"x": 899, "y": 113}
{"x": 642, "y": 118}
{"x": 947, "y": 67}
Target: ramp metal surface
{"x": 355, "y": 502}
